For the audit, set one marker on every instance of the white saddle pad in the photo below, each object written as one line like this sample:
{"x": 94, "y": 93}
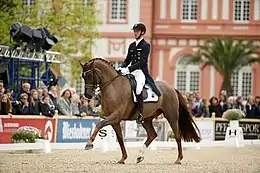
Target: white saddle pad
{"x": 152, "y": 97}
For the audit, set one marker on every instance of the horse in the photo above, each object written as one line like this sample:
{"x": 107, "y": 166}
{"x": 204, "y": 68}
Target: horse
{"x": 118, "y": 105}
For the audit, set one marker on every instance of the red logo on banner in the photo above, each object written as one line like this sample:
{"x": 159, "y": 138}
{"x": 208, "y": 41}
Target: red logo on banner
{"x": 9, "y": 126}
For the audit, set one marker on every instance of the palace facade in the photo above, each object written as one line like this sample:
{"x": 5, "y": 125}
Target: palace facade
{"x": 175, "y": 28}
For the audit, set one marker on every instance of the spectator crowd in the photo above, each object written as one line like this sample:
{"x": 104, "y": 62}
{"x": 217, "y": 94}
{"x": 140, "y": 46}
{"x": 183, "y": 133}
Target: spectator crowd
{"x": 45, "y": 101}
{"x": 218, "y": 105}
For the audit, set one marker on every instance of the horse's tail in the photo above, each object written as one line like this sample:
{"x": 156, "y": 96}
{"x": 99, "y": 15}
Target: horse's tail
{"x": 188, "y": 128}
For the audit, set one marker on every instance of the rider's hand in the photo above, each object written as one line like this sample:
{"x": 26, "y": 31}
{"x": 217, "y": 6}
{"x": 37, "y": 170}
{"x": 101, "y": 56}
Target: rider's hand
{"x": 125, "y": 71}
{"x": 119, "y": 69}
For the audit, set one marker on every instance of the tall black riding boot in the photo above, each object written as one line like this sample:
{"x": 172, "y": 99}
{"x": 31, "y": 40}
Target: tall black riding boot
{"x": 140, "y": 117}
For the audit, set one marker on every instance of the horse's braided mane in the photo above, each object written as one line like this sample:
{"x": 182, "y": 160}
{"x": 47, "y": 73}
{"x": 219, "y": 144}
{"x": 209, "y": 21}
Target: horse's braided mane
{"x": 105, "y": 61}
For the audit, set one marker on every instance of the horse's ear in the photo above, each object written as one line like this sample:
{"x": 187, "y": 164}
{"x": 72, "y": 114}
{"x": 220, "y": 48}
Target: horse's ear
{"x": 81, "y": 63}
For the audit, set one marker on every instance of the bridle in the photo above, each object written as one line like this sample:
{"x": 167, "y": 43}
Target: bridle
{"x": 96, "y": 84}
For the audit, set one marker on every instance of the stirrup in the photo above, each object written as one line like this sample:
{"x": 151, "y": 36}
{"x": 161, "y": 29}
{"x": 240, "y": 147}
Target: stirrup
{"x": 140, "y": 119}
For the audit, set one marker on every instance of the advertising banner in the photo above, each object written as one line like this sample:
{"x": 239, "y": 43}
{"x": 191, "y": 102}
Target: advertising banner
{"x": 75, "y": 130}
{"x": 10, "y": 125}
{"x": 206, "y": 127}
{"x": 251, "y": 129}
{"x": 134, "y": 130}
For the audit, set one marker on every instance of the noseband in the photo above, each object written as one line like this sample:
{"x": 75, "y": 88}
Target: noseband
{"x": 96, "y": 83}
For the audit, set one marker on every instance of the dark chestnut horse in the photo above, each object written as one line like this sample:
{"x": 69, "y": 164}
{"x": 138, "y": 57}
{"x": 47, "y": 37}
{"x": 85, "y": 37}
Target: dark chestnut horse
{"x": 117, "y": 104}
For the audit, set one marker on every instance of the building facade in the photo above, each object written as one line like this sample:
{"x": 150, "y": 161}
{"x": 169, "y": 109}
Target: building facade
{"x": 175, "y": 28}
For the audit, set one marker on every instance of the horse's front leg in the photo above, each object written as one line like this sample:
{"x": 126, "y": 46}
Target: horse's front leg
{"x": 119, "y": 136}
{"x": 111, "y": 119}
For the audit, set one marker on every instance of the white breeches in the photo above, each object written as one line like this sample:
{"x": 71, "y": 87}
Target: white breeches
{"x": 140, "y": 80}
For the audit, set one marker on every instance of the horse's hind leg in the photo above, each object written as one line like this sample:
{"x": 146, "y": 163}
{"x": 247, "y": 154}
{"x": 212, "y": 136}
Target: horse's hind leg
{"x": 173, "y": 121}
{"x": 151, "y": 135}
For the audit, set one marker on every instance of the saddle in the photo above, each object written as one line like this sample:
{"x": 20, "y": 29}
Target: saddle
{"x": 148, "y": 94}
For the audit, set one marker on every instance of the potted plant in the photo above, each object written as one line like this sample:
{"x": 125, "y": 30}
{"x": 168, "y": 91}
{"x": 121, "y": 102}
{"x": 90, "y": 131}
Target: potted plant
{"x": 233, "y": 115}
{"x": 23, "y": 136}
{"x": 26, "y": 134}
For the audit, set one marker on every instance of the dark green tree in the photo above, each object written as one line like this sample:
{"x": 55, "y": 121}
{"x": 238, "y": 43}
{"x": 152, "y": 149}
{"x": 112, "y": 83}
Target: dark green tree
{"x": 10, "y": 13}
{"x": 227, "y": 55}
{"x": 75, "y": 22}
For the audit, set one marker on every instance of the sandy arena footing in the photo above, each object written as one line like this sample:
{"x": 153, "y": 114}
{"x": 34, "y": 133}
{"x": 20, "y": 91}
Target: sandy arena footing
{"x": 214, "y": 160}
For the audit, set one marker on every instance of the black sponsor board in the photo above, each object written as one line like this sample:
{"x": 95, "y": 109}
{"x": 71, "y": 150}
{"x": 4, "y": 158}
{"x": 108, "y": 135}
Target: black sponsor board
{"x": 220, "y": 130}
{"x": 251, "y": 130}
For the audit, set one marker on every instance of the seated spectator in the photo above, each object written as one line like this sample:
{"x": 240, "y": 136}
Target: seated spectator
{"x": 231, "y": 103}
{"x": 223, "y": 92}
{"x": 45, "y": 108}
{"x": 25, "y": 89}
{"x": 53, "y": 96}
{"x": 250, "y": 108}
{"x": 91, "y": 106}
{"x": 191, "y": 103}
{"x": 73, "y": 92}
{"x": 205, "y": 108}
{"x": 84, "y": 109}
{"x": 40, "y": 95}
{"x": 5, "y": 105}
{"x": 97, "y": 99}
{"x": 2, "y": 89}
{"x": 64, "y": 105}
{"x": 239, "y": 105}
{"x": 257, "y": 104}
{"x": 257, "y": 100}
{"x": 9, "y": 93}
{"x": 75, "y": 101}
{"x": 214, "y": 107}
{"x": 23, "y": 105}
{"x": 197, "y": 106}
{"x": 45, "y": 91}
{"x": 223, "y": 105}
{"x": 34, "y": 103}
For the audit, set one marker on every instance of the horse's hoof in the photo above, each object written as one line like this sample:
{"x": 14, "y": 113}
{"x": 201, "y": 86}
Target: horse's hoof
{"x": 88, "y": 146}
{"x": 120, "y": 162}
{"x": 177, "y": 162}
{"x": 139, "y": 159}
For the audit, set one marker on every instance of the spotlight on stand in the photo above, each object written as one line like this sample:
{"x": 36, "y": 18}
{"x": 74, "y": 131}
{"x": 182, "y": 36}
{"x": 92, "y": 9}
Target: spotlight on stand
{"x": 50, "y": 40}
{"x": 38, "y": 40}
{"x": 22, "y": 34}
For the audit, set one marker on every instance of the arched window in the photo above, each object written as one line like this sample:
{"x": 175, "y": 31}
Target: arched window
{"x": 187, "y": 77}
{"x": 241, "y": 82}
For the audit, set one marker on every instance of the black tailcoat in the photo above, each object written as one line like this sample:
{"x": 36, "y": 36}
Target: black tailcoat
{"x": 138, "y": 57}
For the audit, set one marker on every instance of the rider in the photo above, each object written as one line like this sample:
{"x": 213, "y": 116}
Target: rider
{"x": 136, "y": 63}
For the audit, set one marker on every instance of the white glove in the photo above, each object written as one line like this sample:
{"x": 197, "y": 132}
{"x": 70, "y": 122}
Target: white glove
{"x": 119, "y": 69}
{"x": 125, "y": 71}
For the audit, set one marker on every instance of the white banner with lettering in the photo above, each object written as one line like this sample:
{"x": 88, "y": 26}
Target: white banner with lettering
{"x": 132, "y": 130}
{"x": 206, "y": 127}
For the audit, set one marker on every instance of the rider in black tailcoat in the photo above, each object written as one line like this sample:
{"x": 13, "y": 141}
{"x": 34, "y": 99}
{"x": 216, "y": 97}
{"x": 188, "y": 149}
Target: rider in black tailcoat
{"x": 137, "y": 55}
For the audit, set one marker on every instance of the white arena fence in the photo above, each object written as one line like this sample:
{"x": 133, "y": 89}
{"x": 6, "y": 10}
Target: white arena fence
{"x": 73, "y": 132}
